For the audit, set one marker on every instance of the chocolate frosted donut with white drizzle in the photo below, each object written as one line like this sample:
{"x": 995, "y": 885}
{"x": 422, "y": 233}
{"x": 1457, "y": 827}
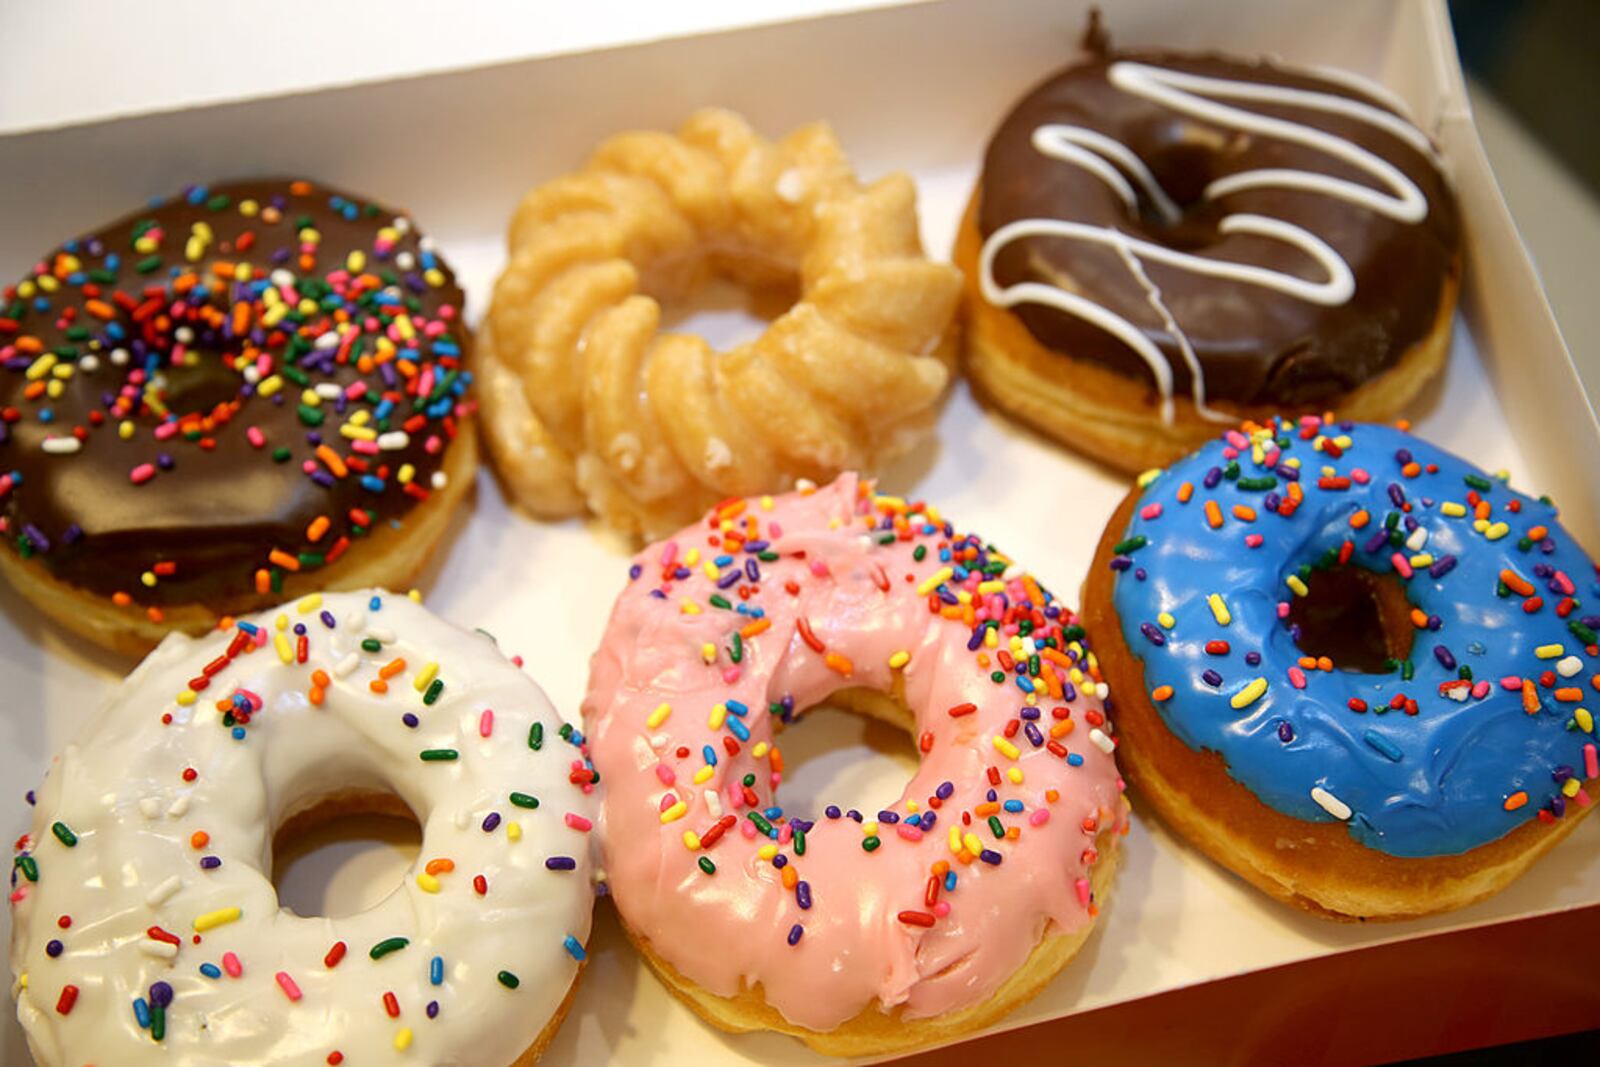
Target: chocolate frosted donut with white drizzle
{"x": 1161, "y": 244}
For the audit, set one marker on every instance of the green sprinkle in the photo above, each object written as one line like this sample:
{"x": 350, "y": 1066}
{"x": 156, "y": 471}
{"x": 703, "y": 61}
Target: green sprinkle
{"x": 870, "y": 843}
{"x": 1072, "y": 633}
{"x": 371, "y": 644}
{"x": 1258, "y": 485}
{"x": 720, "y": 601}
{"x": 919, "y": 553}
{"x": 799, "y": 842}
{"x": 148, "y": 263}
{"x": 1132, "y": 544}
{"x": 767, "y": 556}
{"x": 736, "y": 648}
{"x": 158, "y": 1022}
{"x": 525, "y": 800}
{"x": 997, "y": 677}
{"x": 388, "y": 945}
{"x": 749, "y": 779}
{"x": 707, "y": 866}
{"x": 1478, "y": 482}
{"x": 1581, "y": 632}
{"x": 1407, "y": 670}
{"x": 281, "y": 454}
{"x": 311, "y": 416}
{"x": 435, "y": 687}
{"x": 509, "y": 980}
{"x": 439, "y": 755}
{"x": 28, "y": 866}
{"x": 996, "y": 828}
{"x": 760, "y": 820}
{"x": 536, "y": 736}
{"x": 64, "y": 834}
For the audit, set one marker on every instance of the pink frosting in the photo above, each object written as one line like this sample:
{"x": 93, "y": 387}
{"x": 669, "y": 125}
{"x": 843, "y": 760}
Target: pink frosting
{"x": 873, "y": 931}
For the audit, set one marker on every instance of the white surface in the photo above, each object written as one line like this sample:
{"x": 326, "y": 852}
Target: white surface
{"x": 914, "y": 89}
{"x": 88, "y": 60}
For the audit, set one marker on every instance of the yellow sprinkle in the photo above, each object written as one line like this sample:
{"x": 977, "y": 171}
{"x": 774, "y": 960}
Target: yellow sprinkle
{"x": 1015, "y": 774}
{"x": 934, "y": 581}
{"x": 307, "y": 604}
{"x": 1496, "y": 531}
{"x": 414, "y": 595}
{"x": 689, "y": 607}
{"x": 760, "y": 750}
{"x": 1149, "y": 476}
{"x": 186, "y": 697}
{"x": 428, "y": 882}
{"x": 691, "y": 840}
{"x": 1294, "y": 582}
{"x": 703, "y": 775}
{"x": 356, "y": 432}
{"x": 955, "y": 840}
{"x": 405, "y": 474}
{"x": 148, "y": 578}
{"x": 1166, "y": 620}
{"x": 1549, "y": 651}
{"x": 1420, "y": 560}
{"x": 269, "y": 385}
{"x": 125, "y": 430}
{"x": 514, "y": 831}
{"x": 310, "y": 399}
{"x": 1570, "y": 787}
{"x": 213, "y": 919}
{"x": 972, "y": 843}
{"x": 992, "y": 586}
{"x": 1452, "y": 509}
{"x": 402, "y": 1040}
{"x": 766, "y": 503}
{"x": 898, "y": 660}
{"x": 766, "y": 852}
{"x": 1249, "y": 694}
{"x": 991, "y": 638}
{"x": 1585, "y": 721}
{"x": 425, "y": 677}
{"x": 674, "y": 813}
{"x": 356, "y": 262}
{"x": 708, "y": 652}
{"x": 281, "y": 643}
{"x": 658, "y": 716}
{"x": 719, "y": 713}
{"x": 281, "y": 622}
{"x": 1006, "y": 747}
{"x": 1219, "y": 609}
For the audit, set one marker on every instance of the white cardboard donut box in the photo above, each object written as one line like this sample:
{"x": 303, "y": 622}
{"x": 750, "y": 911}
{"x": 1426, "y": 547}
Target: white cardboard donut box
{"x": 913, "y": 86}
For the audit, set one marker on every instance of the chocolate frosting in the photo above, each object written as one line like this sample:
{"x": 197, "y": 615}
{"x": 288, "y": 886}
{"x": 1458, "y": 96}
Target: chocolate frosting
{"x": 1255, "y": 344}
{"x": 255, "y": 375}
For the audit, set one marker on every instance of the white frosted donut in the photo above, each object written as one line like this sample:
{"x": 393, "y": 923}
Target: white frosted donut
{"x": 146, "y": 928}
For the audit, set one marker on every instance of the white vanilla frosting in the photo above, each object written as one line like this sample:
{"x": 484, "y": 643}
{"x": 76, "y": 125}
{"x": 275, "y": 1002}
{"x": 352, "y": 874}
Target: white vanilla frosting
{"x": 132, "y": 944}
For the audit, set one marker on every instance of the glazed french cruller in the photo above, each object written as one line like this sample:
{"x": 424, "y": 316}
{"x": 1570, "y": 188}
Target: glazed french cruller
{"x": 589, "y": 406}
{"x": 860, "y": 932}
{"x": 146, "y": 928}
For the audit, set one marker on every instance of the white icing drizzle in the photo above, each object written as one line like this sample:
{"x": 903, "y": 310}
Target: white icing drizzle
{"x": 1113, "y": 162}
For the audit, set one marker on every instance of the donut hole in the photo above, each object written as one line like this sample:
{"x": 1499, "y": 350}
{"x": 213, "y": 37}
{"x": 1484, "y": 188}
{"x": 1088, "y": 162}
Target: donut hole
{"x": 1359, "y": 619}
{"x": 726, "y": 313}
{"x": 854, "y": 751}
{"x": 344, "y": 853}
{"x": 1184, "y": 159}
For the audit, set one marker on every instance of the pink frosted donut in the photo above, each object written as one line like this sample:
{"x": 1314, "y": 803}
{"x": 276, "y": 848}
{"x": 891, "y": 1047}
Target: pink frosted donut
{"x": 859, "y": 933}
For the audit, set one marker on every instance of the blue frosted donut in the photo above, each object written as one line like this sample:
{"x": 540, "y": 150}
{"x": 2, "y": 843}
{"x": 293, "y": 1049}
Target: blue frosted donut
{"x": 1483, "y": 727}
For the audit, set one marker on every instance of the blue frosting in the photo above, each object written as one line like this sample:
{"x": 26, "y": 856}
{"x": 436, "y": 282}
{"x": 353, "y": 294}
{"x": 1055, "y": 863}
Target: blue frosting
{"x": 1435, "y": 777}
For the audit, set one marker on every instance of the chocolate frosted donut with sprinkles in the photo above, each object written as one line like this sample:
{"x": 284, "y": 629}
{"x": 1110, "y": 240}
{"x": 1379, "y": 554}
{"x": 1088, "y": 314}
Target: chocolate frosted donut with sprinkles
{"x": 238, "y": 394}
{"x": 1350, "y": 666}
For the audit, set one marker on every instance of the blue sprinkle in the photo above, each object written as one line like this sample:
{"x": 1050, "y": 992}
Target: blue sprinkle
{"x": 436, "y": 970}
{"x": 141, "y": 1013}
{"x": 1074, "y": 759}
{"x": 574, "y": 948}
{"x": 211, "y": 970}
{"x": 1382, "y": 744}
{"x": 737, "y": 707}
{"x": 737, "y": 728}
{"x": 1013, "y": 806}
{"x": 710, "y": 755}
